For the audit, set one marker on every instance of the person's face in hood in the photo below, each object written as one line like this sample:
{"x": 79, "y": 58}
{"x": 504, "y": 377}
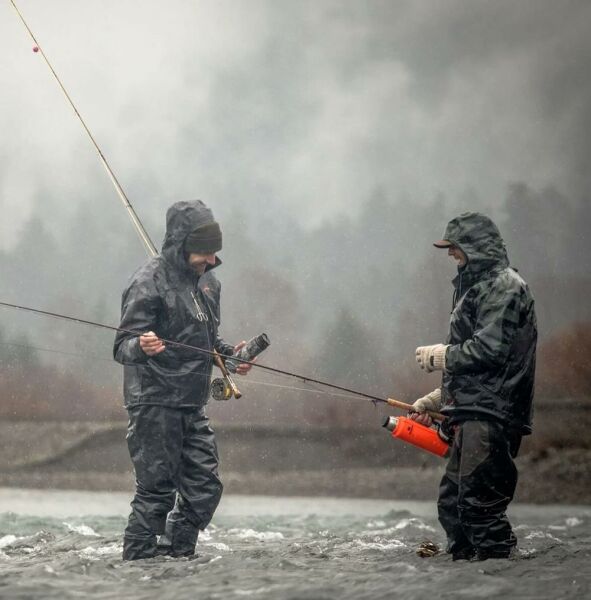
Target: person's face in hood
{"x": 457, "y": 255}
{"x": 199, "y": 262}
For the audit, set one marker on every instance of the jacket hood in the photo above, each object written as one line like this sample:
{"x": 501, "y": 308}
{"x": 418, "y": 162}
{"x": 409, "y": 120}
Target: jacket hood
{"x": 181, "y": 219}
{"x": 480, "y": 240}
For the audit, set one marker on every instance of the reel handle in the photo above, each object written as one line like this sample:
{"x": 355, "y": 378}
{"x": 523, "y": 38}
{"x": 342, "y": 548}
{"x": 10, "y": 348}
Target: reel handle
{"x": 227, "y": 377}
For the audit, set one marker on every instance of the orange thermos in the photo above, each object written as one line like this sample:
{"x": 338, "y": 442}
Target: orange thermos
{"x": 416, "y": 434}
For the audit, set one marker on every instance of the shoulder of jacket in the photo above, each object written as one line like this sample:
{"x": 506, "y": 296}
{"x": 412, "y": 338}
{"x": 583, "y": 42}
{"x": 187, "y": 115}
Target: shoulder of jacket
{"x": 505, "y": 283}
{"x": 148, "y": 273}
{"x": 510, "y": 280}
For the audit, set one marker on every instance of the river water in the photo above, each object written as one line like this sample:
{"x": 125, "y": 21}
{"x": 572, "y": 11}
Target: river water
{"x": 63, "y": 544}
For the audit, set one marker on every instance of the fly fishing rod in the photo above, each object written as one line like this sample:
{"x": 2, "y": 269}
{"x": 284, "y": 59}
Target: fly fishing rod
{"x": 355, "y": 393}
{"x": 37, "y": 48}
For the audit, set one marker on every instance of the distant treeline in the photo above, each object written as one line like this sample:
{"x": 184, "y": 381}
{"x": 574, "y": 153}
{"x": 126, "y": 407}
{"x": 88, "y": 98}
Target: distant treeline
{"x": 346, "y": 301}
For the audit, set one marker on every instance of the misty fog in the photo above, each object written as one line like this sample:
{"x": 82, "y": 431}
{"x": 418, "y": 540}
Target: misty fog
{"x": 333, "y": 141}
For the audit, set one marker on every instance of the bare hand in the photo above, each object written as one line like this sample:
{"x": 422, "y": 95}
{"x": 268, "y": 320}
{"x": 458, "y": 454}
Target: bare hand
{"x": 242, "y": 368}
{"x": 151, "y": 344}
{"x": 422, "y": 418}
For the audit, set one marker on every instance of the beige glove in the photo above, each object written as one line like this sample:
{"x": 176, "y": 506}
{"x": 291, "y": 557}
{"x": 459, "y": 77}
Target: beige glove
{"x": 431, "y": 401}
{"x": 431, "y": 358}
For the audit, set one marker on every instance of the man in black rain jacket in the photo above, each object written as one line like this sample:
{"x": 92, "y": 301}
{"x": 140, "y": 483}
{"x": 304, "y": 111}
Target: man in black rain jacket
{"x": 487, "y": 388}
{"x": 174, "y": 296}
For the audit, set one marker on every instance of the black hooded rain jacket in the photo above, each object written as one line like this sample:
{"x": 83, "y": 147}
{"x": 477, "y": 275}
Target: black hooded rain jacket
{"x": 167, "y": 297}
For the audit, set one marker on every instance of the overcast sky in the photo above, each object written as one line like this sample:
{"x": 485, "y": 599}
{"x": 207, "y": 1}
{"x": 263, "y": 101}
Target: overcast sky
{"x": 291, "y": 107}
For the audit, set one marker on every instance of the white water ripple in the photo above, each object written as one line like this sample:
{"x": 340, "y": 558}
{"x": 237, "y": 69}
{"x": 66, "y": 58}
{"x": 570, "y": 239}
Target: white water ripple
{"x": 251, "y": 534}
{"x": 346, "y": 554}
{"x": 82, "y": 530}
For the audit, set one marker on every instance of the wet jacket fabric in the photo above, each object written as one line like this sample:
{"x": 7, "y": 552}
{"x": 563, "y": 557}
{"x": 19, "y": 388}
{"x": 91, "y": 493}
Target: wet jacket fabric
{"x": 490, "y": 361}
{"x": 167, "y": 297}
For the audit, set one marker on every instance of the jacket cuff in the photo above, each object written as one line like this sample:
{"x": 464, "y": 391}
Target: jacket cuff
{"x": 132, "y": 352}
{"x": 439, "y": 358}
{"x": 224, "y": 348}
{"x": 435, "y": 396}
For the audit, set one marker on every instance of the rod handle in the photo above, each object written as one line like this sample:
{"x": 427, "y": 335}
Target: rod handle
{"x": 404, "y": 406}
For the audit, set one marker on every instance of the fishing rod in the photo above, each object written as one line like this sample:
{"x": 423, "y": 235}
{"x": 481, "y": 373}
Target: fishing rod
{"x": 37, "y": 48}
{"x": 305, "y": 379}
{"x": 86, "y": 356}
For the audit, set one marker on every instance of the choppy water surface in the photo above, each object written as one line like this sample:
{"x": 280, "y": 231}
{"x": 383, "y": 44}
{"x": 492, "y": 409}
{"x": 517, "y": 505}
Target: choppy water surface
{"x": 289, "y": 548}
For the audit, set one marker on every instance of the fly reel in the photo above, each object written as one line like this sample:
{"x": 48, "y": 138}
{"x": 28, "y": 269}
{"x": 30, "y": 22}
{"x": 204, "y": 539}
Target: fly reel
{"x": 220, "y": 389}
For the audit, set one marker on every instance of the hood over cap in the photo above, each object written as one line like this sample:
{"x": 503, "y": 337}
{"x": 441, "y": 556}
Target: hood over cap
{"x": 182, "y": 218}
{"x": 479, "y": 239}
{"x": 491, "y": 344}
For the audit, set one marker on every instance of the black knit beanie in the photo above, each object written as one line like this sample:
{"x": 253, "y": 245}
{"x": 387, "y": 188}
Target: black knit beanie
{"x": 206, "y": 239}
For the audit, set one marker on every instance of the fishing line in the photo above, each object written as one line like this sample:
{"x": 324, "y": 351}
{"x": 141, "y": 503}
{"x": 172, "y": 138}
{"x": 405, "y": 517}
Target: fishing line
{"x": 303, "y": 378}
{"x": 247, "y": 382}
{"x": 54, "y": 351}
{"x": 250, "y": 381}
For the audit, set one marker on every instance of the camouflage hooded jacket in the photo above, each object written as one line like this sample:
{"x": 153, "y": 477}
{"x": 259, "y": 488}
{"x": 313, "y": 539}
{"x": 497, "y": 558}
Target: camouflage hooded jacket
{"x": 159, "y": 298}
{"x": 490, "y": 361}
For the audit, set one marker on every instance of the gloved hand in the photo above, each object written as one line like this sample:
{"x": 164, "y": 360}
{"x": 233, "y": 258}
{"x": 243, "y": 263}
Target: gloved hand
{"x": 431, "y": 358}
{"x": 431, "y": 401}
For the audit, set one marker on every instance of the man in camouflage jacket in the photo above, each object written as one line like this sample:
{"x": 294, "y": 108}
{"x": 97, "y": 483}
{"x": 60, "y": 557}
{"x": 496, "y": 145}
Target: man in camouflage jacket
{"x": 487, "y": 386}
